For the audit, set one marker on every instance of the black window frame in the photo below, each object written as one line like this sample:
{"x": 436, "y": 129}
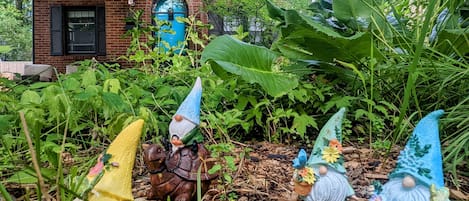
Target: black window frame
{"x": 58, "y": 28}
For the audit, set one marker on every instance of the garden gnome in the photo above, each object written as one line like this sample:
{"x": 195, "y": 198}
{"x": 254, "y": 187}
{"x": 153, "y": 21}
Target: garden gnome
{"x": 322, "y": 177}
{"x": 418, "y": 175}
{"x": 174, "y": 173}
{"x": 184, "y": 127}
{"x": 113, "y": 172}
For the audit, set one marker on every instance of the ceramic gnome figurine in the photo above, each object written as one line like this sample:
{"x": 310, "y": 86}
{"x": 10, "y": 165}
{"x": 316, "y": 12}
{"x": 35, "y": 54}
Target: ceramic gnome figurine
{"x": 322, "y": 176}
{"x": 174, "y": 172}
{"x": 112, "y": 175}
{"x": 418, "y": 175}
{"x": 184, "y": 127}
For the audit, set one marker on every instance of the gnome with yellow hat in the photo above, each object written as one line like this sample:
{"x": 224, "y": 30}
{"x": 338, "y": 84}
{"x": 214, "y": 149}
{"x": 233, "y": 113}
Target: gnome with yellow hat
{"x": 112, "y": 175}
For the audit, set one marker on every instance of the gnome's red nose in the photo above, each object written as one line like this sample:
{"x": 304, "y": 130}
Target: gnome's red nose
{"x": 178, "y": 117}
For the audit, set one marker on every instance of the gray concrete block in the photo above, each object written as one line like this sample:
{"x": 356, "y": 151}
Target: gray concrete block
{"x": 43, "y": 70}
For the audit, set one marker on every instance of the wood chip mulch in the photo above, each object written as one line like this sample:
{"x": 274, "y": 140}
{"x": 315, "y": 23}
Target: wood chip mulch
{"x": 266, "y": 173}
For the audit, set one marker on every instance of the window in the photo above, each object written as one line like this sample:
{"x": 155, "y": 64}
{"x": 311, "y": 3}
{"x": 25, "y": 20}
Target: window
{"x": 77, "y": 30}
{"x": 81, "y": 31}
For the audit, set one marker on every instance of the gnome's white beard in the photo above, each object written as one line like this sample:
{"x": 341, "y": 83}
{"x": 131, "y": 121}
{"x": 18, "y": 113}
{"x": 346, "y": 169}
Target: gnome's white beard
{"x": 180, "y": 129}
{"x": 333, "y": 186}
{"x": 394, "y": 191}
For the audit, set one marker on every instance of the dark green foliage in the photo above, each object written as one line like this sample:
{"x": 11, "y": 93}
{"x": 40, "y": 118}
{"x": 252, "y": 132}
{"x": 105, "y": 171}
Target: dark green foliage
{"x": 363, "y": 51}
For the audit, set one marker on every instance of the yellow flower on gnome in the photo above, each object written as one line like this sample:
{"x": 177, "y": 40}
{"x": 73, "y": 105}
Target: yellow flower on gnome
{"x": 307, "y": 174}
{"x": 330, "y": 154}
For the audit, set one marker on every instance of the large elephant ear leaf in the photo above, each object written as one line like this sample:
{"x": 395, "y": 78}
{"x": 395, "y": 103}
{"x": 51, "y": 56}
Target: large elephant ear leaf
{"x": 356, "y": 13}
{"x": 275, "y": 12}
{"x": 255, "y": 64}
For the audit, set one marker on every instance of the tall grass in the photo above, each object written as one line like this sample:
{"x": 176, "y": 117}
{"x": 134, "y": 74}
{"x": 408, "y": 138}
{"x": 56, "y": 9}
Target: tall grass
{"x": 434, "y": 80}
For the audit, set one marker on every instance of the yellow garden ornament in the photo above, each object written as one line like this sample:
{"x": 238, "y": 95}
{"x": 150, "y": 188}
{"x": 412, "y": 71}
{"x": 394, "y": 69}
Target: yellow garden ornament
{"x": 117, "y": 164}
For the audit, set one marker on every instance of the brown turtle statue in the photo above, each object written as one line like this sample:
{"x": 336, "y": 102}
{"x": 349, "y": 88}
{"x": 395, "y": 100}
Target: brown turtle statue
{"x": 173, "y": 170}
{"x": 174, "y": 175}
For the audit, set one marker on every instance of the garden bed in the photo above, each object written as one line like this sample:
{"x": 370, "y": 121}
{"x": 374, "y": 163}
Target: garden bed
{"x": 266, "y": 174}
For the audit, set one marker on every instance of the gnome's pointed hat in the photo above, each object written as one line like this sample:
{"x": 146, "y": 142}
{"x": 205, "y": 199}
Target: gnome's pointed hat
{"x": 190, "y": 107}
{"x": 116, "y": 182}
{"x": 421, "y": 157}
{"x": 328, "y": 144}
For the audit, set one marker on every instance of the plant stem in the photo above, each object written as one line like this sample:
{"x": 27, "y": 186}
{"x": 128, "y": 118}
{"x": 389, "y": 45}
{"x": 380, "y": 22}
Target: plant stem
{"x": 34, "y": 159}
{"x": 199, "y": 183}
{"x": 5, "y": 193}
{"x": 60, "y": 179}
{"x": 410, "y": 85}
{"x": 370, "y": 106}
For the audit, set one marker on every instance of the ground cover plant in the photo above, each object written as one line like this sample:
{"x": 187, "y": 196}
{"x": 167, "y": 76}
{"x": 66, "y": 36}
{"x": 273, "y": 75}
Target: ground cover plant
{"x": 383, "y": 60}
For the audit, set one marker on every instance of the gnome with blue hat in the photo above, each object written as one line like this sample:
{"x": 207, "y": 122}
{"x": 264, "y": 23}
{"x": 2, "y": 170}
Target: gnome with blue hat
{"x": 175, "y": 173}
{"x": 184, "y": 126}
{"x": 418, "y": 175}
{"x": 322, "y": 177}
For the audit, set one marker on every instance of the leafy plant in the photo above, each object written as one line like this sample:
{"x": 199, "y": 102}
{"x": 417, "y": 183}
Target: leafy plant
{"x": 225, "y": 167}
{"x": 253, "y": 63}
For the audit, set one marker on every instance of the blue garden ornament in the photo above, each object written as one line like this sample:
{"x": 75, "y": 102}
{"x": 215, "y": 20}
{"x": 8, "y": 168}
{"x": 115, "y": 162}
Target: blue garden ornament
{"x": 190, "y": 107}
{"x": 330, "y": 133}
{"x": 421, "y": 156}
{"x": 300, "y": 161}
{"x": 184, "y": 126}
{"x": 322, "y": 177}
{"x": 418, "y": 175}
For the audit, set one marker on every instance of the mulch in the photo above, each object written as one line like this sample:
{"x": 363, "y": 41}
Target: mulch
{"x": 266, "y": 173}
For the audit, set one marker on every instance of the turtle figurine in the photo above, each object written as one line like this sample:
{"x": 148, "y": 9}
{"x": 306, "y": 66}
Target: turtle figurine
{"x": 174, "y": 170}
{"x": 174, "y": 175}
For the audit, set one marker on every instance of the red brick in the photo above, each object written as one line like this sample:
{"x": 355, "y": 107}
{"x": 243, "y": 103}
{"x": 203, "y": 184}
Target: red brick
{"x": 116, "y": 11}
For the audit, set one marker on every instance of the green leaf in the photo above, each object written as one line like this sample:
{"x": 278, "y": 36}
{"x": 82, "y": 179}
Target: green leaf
{"x": 338, "y": 102}
{"x": 255, "y": 64}
{"x": 453, "y": 40}
{"x": 227, "y": 177}
{"x": 360, "y": 113}
{"x": 5, "y": 122}
{"x": 356, "y": 13}
{"x": 90, "y": 91}
{"x": 88, "y": 78}
{"x": 163, "y": 91}
{"x": 28, "y": 176}
{"x": 230, "y": 162}
{"x": 39, "y": 85}
{"x": 275, "y": 12}
{"x": 112, "y": 85}
{"x": 30, "y": 97}
{"x": 113, "y": 100}
{"x": 303, "y": 38}
{"x": 5, "y": 49}
{"x": 214, "y": 169}
{"x": 301, "y": 122}
{"x": 71, "y": 84}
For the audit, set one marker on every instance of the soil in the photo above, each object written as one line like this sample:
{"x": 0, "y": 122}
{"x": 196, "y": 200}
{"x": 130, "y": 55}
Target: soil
{"x": 266, "y": 174}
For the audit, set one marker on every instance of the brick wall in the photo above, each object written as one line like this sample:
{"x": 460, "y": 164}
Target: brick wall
{"x": 116, "y": 11}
